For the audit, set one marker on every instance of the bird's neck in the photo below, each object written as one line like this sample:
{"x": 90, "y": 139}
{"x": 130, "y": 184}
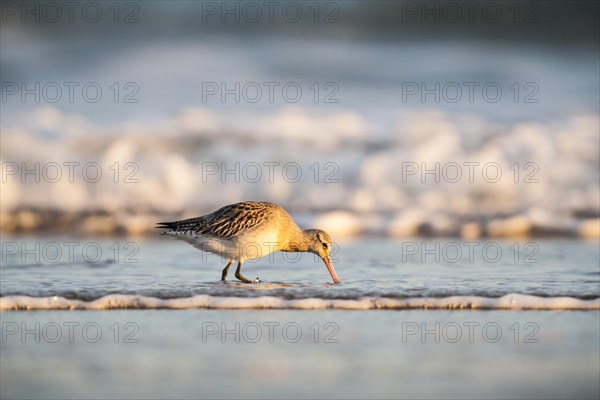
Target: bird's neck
{"x": 299, "y": 241}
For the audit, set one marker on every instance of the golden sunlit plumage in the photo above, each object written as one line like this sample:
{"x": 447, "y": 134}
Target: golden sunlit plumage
{"x": 249, "y": 230}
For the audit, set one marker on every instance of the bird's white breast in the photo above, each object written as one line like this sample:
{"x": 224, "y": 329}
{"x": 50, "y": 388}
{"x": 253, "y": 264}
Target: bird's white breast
{"x": 257, "y": 244}
{"x": 247, "y": 246}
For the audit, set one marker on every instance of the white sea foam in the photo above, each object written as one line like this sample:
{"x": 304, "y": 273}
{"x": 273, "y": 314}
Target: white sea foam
{"x": 511, "y": 301}
{"x": 354, "y": 165}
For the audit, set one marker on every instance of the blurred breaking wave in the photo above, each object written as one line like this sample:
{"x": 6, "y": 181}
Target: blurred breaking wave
{"x": 337, "y": 170}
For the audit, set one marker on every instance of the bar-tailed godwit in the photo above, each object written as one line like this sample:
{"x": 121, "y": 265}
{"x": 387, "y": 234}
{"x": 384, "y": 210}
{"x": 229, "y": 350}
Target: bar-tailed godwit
{"x": 249, "y": 230}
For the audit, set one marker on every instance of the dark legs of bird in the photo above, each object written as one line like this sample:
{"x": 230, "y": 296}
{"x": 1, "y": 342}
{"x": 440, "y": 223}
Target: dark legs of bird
{"x": 238, "y": 274}
{"x": 226, "y": 270}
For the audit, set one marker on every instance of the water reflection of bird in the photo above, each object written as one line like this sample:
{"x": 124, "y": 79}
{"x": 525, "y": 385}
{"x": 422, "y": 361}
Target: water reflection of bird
{"x": 249, "y": 230}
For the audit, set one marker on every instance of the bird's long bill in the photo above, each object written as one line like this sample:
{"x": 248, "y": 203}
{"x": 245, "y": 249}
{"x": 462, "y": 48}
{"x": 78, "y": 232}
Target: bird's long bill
{"x": 329, "y": 265}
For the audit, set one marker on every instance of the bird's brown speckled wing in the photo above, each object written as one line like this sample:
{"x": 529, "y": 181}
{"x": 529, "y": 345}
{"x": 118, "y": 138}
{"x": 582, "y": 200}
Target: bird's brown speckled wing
{"x": 227, "y": 221}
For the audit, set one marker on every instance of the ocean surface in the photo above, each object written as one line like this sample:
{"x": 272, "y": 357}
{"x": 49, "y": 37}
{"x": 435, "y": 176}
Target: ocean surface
{"x": 149, "y": 318}
{"x": 375, "y": 273}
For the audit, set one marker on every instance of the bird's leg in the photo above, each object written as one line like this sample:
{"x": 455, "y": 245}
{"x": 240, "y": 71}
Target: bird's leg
{"x": 238, "y": 274}
{"x": 226, "y": 270}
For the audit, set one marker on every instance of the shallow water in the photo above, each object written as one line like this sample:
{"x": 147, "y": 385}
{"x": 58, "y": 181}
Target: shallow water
{"x": 315, "y": 354}
{"x": 209, "y": 350}
{"x": 165, "y": 268}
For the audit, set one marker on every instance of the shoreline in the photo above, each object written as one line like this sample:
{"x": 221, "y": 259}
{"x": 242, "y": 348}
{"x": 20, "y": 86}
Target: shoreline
{"x": 512, "y": 301}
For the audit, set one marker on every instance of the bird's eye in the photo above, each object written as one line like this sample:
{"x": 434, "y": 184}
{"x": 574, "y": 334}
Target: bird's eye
{"x": 325, "y": 246}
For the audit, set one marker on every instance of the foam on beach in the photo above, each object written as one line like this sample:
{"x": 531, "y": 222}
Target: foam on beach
{"x": 511, "y": 301}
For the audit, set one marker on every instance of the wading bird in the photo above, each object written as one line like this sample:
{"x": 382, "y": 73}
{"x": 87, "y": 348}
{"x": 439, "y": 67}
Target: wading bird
{"x": 249, "y": 230}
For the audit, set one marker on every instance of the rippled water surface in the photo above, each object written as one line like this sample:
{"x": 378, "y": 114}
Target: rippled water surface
{"x": 333, "y": 353}
{"x": 165, "y": 268}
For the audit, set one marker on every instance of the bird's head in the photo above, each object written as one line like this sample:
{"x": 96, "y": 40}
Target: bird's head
{"x": 320, "y": 244}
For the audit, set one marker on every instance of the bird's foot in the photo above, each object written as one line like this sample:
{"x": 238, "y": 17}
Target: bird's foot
{"x": 243, "y": 278}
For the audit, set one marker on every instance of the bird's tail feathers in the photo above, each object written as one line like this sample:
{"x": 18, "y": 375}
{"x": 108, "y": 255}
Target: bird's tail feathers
{"x": 170, "y": 226}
